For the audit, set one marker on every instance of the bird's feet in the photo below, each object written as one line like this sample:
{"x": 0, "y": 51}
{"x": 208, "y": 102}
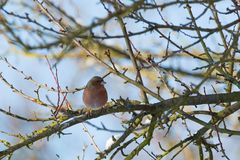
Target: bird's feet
{"x": 88, "y": 111}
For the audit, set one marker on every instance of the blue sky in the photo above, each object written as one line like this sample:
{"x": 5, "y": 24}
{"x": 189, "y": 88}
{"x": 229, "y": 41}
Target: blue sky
{"x": 74, "y": 73}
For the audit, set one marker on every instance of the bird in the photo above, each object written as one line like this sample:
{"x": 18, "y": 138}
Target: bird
{"x": 95, "y": 94}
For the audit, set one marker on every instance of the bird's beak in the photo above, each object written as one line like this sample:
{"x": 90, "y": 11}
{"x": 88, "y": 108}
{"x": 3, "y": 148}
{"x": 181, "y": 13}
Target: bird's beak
{"x": 103, "y": 82}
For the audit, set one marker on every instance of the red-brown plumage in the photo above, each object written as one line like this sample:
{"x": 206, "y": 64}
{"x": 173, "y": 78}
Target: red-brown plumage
{"x": 95, "y": 94}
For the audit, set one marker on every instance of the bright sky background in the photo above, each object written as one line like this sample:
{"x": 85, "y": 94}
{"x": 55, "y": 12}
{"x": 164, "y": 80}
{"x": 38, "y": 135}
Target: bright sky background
{"x": 71, "y": 74}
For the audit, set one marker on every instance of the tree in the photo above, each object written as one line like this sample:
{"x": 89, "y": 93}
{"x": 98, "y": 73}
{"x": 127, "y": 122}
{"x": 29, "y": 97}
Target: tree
{"x": 179, "y": 57}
